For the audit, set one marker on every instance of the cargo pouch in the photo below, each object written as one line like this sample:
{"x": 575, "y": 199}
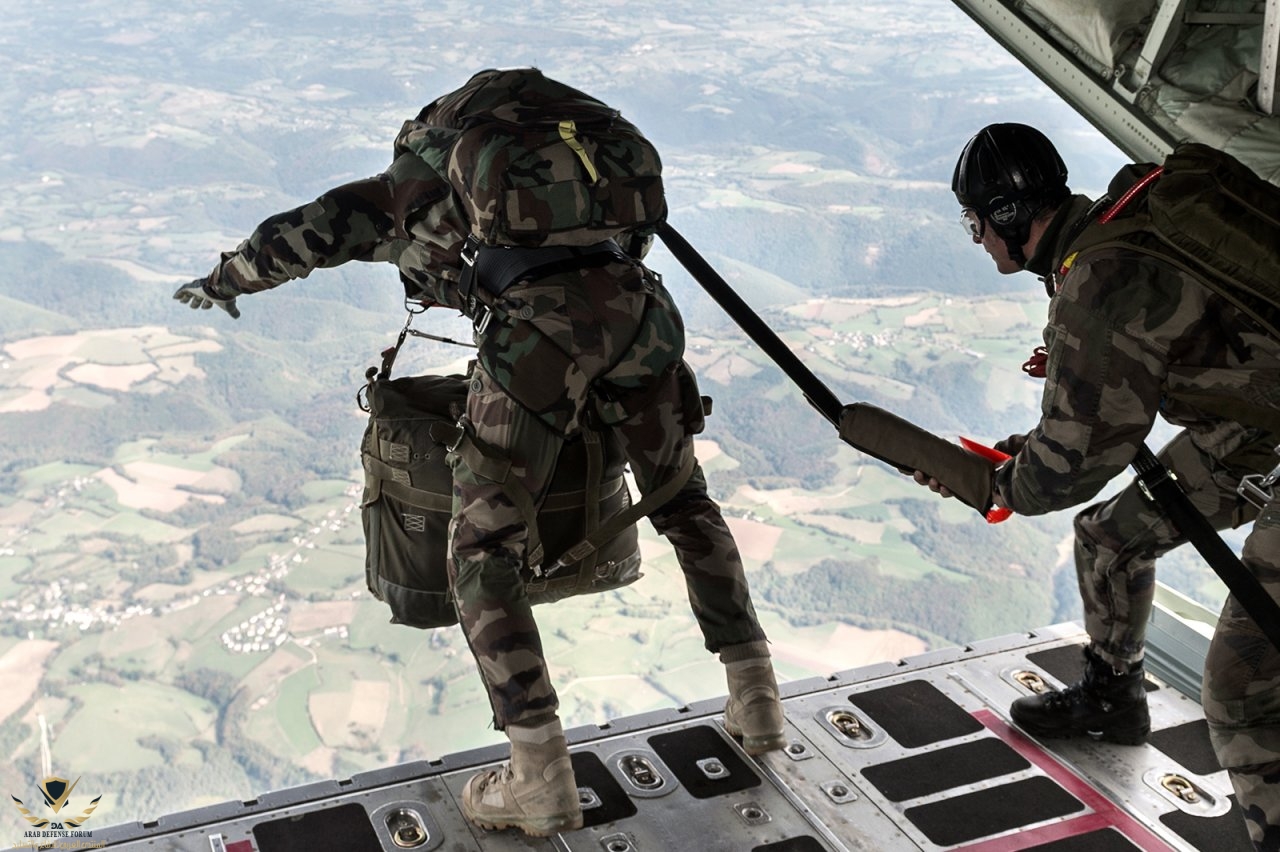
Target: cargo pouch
{"x": 582, "y": 539}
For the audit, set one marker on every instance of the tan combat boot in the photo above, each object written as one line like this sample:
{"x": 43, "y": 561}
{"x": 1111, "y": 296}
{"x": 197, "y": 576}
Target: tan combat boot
{"x": 535, "y": 792}
{"x": 754, "y": 711}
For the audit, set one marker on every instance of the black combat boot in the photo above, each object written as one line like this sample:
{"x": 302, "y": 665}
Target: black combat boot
{"x": 1103, "y": 705}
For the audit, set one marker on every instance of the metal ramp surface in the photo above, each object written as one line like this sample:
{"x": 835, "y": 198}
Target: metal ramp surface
{"x": 914, "y": 755}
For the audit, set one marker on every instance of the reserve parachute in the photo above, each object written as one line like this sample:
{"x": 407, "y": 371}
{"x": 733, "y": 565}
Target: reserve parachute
{"x": 408, "y": 501}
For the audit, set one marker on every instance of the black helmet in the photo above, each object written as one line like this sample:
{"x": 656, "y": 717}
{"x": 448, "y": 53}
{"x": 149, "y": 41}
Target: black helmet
{"x": 1008, "y": 174}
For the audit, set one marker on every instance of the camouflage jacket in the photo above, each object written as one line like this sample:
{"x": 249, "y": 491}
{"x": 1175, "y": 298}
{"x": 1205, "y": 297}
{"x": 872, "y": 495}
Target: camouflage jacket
{"x": 1131, "y": 337}
{"x": 406, "y": 216}
{"x": 409, "y": 216}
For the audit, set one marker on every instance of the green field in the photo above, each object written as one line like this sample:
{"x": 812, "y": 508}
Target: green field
{"x": 102, "y": 736}
{"x": 623, "y": 652}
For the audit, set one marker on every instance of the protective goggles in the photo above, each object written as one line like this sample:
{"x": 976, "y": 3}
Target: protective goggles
{"x": 973, "y": 222}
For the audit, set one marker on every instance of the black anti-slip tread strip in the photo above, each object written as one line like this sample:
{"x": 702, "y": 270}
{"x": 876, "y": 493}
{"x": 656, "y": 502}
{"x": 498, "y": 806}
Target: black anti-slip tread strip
{"x": 792, "y": 844}
{"x": 683, "y": 750}
{"x": 1066, "y": 663}
{"x": 1189, "y": 745}
{"x": 916, "y": 713}
{"x": 944, "y": 769}
{"x": 345, "y": 828}
{"x": 1225, "y": 833}
{"x": 998, "y": 809}
{"x": 615, "y": 804}
{"x": 1102, "y": 840}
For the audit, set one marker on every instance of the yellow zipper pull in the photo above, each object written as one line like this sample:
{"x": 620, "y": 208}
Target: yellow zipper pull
{"x": 569, "y": 133}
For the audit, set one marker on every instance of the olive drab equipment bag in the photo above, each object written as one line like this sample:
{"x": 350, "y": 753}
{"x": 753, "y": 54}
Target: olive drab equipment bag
{"x": 408, "y": 501}
{"x": 1219, "y": 214}
{"x": 1210, "y": 212}
{"x": 536, "y": 163}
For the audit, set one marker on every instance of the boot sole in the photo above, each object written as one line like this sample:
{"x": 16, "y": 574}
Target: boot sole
{"x": 1133, "y": 737}
{"x": 546, "y": 827}
{"x": 760, "y": 745}
{"x": 757, "y": 744}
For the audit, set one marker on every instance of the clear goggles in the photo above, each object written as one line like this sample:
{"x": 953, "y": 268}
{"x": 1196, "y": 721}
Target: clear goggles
{"x": 973, "y": 222}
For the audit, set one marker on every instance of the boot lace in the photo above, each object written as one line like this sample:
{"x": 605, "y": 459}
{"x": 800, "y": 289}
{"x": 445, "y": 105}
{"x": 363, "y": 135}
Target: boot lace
{"x": 501, "y": 775}
{"x": 1068, "y": 697}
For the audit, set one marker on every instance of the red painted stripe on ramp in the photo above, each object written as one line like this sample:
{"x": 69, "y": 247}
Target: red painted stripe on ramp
{"x": 1106, "y": 814}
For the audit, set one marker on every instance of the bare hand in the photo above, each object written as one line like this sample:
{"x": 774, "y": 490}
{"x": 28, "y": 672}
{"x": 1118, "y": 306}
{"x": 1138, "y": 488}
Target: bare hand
{"x": 933, "y": 485}
{"x": 198, "y": 298}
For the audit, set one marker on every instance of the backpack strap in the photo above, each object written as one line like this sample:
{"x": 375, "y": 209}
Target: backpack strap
{"x": 382, "y": 478}
{"x": 649, "y": 503}
{"x": 595, "y": 471}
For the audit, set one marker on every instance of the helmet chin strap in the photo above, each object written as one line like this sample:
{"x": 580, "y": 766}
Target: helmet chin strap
{"x": 1014, "y": 249}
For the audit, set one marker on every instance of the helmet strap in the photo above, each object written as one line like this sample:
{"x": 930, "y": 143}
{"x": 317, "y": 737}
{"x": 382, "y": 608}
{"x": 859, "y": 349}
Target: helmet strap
{"x": 1015, "y": 252}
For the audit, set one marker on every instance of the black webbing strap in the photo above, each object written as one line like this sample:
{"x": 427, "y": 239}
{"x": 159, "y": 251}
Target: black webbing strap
{"x": 648, "y": 504}
{"x": 1159, "y": 486}
{"x": 493, "y": 269}
{"x": 818, "y": 394}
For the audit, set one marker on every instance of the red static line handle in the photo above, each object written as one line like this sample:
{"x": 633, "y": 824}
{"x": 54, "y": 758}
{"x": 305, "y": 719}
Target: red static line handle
{"x": 995, "y": 514}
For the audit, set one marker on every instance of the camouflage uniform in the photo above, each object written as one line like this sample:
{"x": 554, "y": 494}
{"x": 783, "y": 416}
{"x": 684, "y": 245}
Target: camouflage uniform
{"x": 605, "y": 345}
{"x": 1130, "y": 337}
{"x": 602, "y": 343}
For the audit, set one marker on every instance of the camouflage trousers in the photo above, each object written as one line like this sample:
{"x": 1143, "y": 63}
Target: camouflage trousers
{"x": 584, "y": 357}
{"x": 1118, "y": 541}
{"x": 1117, "y": 544}
{"x": 1241, "y": 693}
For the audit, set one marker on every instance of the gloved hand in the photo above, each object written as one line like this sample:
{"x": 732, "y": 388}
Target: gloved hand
{"x": 197, "y": 296}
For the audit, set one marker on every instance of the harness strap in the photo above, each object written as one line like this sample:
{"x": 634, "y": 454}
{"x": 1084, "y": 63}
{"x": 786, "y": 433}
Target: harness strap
{"x": 489, "y": 271}
{"x": 648, "y": 504}
{"x": 381, "y": 478}
{"x": 1160, "y": 487}
{"x": 595, "y": 470}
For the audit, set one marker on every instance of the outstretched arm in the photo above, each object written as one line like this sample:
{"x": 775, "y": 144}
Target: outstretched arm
{"x": 350, "y": 222}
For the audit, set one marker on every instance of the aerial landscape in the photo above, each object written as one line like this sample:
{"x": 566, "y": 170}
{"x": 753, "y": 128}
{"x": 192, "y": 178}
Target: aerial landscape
{"x": 185, "y": 612}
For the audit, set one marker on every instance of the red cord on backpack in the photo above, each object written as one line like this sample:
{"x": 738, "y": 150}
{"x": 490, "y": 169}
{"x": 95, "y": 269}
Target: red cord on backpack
{"x": 1128, "y": 196}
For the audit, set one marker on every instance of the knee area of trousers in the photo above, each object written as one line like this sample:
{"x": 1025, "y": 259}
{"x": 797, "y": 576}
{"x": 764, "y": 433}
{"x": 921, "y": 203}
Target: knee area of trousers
{"x": 1087, "y": 532}
{"x": 488, "y": 580}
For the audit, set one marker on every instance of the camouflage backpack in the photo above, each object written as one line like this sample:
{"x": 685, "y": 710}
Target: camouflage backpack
{"x": 537, "y": 163}
{"x": 1206, "y": 211}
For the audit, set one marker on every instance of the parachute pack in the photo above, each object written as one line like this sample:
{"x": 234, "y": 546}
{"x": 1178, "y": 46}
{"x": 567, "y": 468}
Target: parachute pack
{"x": 536, "y": 163}
{"x": 1220, "y": 215}
{"x": 1211, "y": 213}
